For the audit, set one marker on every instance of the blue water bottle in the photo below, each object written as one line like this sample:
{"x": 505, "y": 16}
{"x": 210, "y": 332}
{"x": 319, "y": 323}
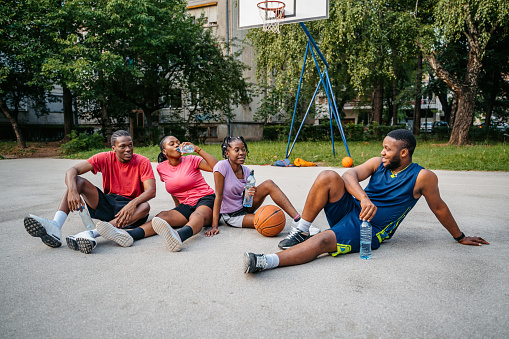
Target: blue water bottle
{"x": 248, "y": 198}
{"x": 366, "y": 235}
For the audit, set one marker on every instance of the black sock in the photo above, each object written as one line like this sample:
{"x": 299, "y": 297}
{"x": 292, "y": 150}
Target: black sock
{"x": 185, "y": 233}
{"x": 137, "y": 233}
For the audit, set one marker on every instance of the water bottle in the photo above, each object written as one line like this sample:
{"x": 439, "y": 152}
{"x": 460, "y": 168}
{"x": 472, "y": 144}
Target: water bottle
{"x": 87, "y": 220}
{"x": 248, "y": 198}
{"x": 366, "y": 235}
{"x": 186, "y": 149}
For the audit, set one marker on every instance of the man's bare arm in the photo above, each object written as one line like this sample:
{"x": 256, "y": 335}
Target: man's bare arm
{"x": 427, "y": 184}
{"x": 74, "y": 201}
{"x": 352, "y": 179}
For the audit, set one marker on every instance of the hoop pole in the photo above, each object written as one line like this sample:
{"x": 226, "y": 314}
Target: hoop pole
{"x": 325, "y": 81}
{"x": 305, "y": 116}
{"x": 338, "y": 118}
{"x": 296, "y": 101}
{"x": 310, "y": 39}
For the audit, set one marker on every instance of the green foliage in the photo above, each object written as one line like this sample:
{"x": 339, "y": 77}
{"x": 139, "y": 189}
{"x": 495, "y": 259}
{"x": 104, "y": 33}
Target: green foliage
{"x": 82, "y": 142}
{"x": 321, "y": 132}
{"x": 431, "y": 155}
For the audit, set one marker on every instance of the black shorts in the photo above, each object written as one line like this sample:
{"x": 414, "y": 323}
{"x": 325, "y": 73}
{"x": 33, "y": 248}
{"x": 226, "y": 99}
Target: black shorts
{"x": 109, "y": 205}
{"x": 187, "y": 210}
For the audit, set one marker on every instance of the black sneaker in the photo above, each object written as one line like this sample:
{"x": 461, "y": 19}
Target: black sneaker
{"x": 254, "y": 262}
{"x": 295, "y": 237}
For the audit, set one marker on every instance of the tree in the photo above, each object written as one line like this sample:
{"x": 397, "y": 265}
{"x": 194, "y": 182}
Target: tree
{"x": 476, "y": 20}
{"x": 164, "y": 53}
{"x": 22, "y": 52}
{"x": 361, "y": 40}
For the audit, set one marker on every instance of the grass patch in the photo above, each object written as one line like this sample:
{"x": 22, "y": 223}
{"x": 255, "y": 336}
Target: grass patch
{"x": 431, "y": 155}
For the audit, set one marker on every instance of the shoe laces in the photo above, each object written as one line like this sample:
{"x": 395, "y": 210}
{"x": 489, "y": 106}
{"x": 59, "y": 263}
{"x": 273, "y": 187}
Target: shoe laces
{"x": 261, "y": 261}
{"x": 294, "y": 232}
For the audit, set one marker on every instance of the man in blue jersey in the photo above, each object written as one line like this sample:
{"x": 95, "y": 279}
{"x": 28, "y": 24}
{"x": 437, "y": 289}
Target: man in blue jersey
{"x": 395, "y": 186}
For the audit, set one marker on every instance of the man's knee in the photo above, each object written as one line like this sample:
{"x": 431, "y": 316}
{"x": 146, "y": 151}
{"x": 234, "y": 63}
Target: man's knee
{"x": 330, "y": 179}
{"x": 326, "y": 241}
{"x": 144, "y": 208}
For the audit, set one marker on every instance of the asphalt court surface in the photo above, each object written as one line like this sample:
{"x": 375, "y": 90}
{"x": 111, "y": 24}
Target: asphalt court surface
{"x": 420, "y": 284}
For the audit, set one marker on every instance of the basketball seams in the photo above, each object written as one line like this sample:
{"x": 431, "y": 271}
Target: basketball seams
{"x": 276, "y": 216}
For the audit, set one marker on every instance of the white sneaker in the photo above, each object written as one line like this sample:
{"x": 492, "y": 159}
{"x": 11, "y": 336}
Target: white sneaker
{"x": 118, "y": 235}
{"x": 168, "y": 233}
{"x": 47, "y": 230}
{"x": 83, "y": 242}
{"x": 314, "y": 230}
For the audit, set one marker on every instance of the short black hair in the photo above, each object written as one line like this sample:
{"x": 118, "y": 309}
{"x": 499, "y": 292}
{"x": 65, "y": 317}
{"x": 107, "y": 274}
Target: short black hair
{"x": 118, "y": 134}
{"x": 228, "y": 140}
{"x": 406, "y": 137}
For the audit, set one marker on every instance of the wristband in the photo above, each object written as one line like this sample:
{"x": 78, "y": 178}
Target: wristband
{"x": 198, "y": 151}
{"x": 458, "y": 239}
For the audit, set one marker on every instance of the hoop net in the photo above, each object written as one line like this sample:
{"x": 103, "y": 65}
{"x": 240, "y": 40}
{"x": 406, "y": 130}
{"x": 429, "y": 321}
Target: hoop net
{"x": 272, "y": 13}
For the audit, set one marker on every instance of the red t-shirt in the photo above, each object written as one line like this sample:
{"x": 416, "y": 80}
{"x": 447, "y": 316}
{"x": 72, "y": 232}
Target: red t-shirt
{"x": 125, "y": 179}
{"x": 185, "y": 181}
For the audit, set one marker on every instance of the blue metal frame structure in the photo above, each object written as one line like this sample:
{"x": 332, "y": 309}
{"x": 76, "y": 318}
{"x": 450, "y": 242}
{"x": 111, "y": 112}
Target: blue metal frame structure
{"x": 325, "y": 81}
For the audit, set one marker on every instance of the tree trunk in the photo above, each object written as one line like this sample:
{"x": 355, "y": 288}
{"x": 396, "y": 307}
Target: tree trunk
{"x": 394, "y": 106}
{"x": 454, "y": 109}
{"x": 491, "y": 100}
{"x": 442, "y": 96}
{"x": 68, "y": 114}
{"x": 14, "y": 123}
{"x": 378, "y": 100}
{"x": 105, "y": 118}
{"x": 418, "y": 96}
{"x": 462, "y": 123}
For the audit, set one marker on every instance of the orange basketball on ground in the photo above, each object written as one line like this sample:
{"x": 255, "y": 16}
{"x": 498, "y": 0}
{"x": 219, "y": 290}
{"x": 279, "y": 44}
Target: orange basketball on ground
{"x": 269, "y": 220}
{"x": 347, "y": 162}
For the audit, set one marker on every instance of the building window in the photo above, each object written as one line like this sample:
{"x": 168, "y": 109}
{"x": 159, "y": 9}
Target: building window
{"x": 208, "y": 11}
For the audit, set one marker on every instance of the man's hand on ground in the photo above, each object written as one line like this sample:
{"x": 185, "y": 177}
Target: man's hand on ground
{"x": 475, "y": 241}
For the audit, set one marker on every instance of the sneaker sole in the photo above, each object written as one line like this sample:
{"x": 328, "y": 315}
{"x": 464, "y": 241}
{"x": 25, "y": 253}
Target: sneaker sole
{"x": 168, "y": 233}
{"x": 85, "y": 245}
{"x": 71, "y": 243}
{"x": 247, "y": 262}
{"x": 35, "y": 229}
{"x": 109, "y": 232}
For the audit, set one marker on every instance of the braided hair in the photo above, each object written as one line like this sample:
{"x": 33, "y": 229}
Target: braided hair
{"x": 118, "y": 134}
{"x": 227, "y": 141}
{"x": 161, "y": 157}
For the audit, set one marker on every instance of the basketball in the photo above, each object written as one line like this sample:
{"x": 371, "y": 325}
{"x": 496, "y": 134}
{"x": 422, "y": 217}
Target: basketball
{"x": 269, "y": 220}
{"x": 347, "y": 162}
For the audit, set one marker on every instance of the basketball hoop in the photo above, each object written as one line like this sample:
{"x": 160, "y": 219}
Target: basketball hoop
{"x": 272, "y": 13}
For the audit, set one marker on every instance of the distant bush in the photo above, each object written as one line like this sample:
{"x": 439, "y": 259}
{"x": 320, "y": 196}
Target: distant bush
{"x": 82, "y": 142}
{"x": 322, "y": 132}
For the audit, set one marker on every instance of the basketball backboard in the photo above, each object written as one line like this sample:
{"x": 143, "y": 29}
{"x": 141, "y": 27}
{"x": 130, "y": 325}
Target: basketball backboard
{"x": 295, "y": 11}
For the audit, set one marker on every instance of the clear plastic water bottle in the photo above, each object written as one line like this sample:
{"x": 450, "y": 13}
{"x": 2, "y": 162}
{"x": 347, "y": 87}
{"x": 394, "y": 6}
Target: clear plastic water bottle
{"x": 248, "y": 198}
{"x": 366, "y": 235}
{"x": 186, "y": 149}
{"x": 87, "y": 220}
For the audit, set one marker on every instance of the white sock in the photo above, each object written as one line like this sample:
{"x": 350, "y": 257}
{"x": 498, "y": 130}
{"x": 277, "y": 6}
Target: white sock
{"x": 59, "y": 218}
{"x": 272, "y": 261}
{"x": 95, "y": 234}
{"x": 304, "y": 225}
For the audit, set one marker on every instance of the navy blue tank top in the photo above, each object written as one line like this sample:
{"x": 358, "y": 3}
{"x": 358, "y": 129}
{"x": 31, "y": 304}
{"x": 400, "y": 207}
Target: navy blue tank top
{"x": 393, "y": 195}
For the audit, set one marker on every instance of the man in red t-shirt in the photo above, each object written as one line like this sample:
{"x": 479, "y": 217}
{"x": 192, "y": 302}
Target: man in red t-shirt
{"x": 128, "y": 183}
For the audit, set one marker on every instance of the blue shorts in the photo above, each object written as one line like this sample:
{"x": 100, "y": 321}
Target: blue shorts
{"x": 343, "y": 219}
